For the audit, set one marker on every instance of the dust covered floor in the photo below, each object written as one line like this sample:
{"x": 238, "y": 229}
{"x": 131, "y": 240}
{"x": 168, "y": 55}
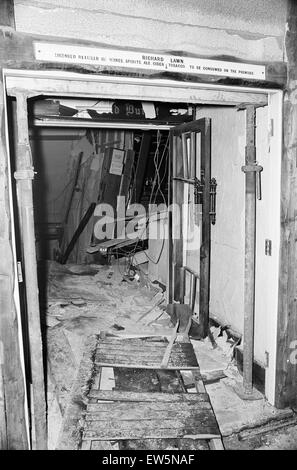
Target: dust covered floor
{"x": 82, "y": 300}
{"x": 244, "y": 425}
{"x": 141, "y": 405}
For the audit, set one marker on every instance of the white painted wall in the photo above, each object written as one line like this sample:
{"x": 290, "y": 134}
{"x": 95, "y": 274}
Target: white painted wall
{"x": 227, "y": 235}
{"x": 227, "y": 244}
{"x": 250, "y": 30}
{"x": 268, "y": 227}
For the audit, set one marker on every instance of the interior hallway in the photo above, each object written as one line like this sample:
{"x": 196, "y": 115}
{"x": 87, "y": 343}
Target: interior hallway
{"x": 83, "y": 300}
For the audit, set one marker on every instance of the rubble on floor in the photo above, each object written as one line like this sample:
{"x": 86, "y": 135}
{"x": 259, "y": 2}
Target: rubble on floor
{"x": 243, "y": 424}
{"x": 81, "y": 300}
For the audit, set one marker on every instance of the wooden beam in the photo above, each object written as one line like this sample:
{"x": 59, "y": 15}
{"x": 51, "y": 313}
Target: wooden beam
{"x": 286, "y": 367}
{"x": 14, "y": 432}
{"x": 7, "y": 13}
{"x": 17, "y": 51}
{"x": 123, "y": 88}
{"x": 24, "y": 176}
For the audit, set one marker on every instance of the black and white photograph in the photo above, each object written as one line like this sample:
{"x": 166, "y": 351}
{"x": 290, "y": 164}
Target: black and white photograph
{"x": 148, "y": 229}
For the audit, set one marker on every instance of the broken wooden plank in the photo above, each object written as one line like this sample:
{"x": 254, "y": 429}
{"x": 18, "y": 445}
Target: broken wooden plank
{"x": 143, "y": 410}
{"x": 118, "y": 395}
{"x": 137, "y": 353}
{"x": 202, "y": 425}
{"x": 171, "y": 366}
{"x": 176, "y": 361}
{"x": 166, "y": 357}
{"x": 159, "y": 350}
{"x": 82, "y": 225}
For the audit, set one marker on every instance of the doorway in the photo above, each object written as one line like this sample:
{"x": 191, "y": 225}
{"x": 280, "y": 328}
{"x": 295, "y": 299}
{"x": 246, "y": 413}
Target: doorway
{"x": 203, "y": 96}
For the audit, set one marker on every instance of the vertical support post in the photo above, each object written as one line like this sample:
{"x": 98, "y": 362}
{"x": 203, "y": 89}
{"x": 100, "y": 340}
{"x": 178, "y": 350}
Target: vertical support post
{"x": 250, "y": 244}
{"x": 24, "y": 175}
{"x": 170, "y": 234}
{"x": 286, "y": 366}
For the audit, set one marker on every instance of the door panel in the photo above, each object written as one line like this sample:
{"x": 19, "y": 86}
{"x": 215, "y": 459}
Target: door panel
{"x": 189, "y": 221}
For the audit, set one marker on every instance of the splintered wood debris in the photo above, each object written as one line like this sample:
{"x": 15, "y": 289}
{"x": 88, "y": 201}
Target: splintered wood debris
{"x": 140, "y": 353}
{"x": 81, "y": 300}
{"x": 127, "y": 412}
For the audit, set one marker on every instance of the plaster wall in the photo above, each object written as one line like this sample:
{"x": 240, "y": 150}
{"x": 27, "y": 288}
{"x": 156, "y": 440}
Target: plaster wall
{"x": 251, "y": 31}
{"x": 228, "y": 234}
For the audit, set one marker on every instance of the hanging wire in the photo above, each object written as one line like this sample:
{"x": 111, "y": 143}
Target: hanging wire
{"x": 156, "y": 179}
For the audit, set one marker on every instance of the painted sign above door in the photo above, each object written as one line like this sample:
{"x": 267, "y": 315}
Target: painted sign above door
{"x": 72, "y": 54}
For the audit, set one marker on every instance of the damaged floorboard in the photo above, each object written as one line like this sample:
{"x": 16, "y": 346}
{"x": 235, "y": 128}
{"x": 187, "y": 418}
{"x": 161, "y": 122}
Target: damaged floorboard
{"x": 141, "y": 353}
{"x": 150, "y": 419}
{"x": 136, "y": 408}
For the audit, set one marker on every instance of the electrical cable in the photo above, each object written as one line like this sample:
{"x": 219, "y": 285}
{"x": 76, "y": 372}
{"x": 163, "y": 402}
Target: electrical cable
{"x": 157, "y": 176}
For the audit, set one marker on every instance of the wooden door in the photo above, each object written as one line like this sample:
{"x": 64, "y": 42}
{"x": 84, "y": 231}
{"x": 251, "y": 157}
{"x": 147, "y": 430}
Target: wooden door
{"x": 190, "y": 217}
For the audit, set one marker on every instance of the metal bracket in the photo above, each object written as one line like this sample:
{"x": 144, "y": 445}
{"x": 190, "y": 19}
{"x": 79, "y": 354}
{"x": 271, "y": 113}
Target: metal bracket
{"x": 251, "y": 168}
{"x": 26, "y": 174}
{"x": 254, "y": 167}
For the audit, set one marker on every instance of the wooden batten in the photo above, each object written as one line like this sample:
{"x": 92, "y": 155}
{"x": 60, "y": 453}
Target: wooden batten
{"x": 24, "y": 175}
{"x": 13, "y": 431}
{"x": 12, "y": 393}
{"x": 286, "y": 368}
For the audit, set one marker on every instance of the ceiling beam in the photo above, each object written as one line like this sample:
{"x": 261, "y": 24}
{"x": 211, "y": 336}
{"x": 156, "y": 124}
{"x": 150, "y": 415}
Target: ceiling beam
{"x": 158, "y": 90}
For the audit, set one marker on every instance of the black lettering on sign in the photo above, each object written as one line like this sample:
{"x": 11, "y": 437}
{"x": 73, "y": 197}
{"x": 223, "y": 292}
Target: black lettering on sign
{"x": 176, "y": 61}
{"x": 153, "y": 57}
